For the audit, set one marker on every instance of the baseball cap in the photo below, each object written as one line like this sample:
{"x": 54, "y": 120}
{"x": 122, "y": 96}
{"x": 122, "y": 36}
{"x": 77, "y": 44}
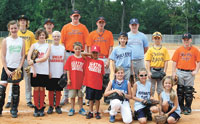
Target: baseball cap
{"x": 186, "y": 35}
{"x": 75, "y": 12}
{"x": 124, "y": 34}
{"x": 134, "y": 21}
{"x": 95, "y": 48}
{"x": 49, "y": 20}
{"x": 157, "y": 34}
{"x": 101, "y": 18}
{"x": 23, "y": 17}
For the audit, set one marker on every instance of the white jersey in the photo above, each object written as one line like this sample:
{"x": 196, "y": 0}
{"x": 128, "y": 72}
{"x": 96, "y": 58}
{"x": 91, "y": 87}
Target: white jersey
{"x": 143, "y": 92}
{"x": 43, "y": 67}
{"x": 56, "y": 60}
{"x": 13, "y": 52}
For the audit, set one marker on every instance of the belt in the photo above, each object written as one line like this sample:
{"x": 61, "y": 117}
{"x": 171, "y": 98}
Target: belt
{"x": 69, "y": 51}
{"x": 157, "y": 69}
{"x": 185, "y": 70}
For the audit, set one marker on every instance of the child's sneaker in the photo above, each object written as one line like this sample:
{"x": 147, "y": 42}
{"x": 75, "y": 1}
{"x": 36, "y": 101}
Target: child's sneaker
{"x": 98, "y": 115}
{"x": 58, "y": 110}
{"x": 89, "y": 115}
{"x": 50, "y": 110}
{"x": 71, "y": 112}
{"x": 112, "y": 119}
{"x": 82, "y": 111}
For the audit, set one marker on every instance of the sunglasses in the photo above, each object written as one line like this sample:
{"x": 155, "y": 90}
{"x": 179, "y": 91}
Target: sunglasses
{"x": 156, "y": 38}
{"x": 143, "y": 75}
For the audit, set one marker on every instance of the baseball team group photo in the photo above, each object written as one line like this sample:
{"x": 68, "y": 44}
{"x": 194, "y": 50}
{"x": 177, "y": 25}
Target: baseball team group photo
{"x": 79, "y": 74}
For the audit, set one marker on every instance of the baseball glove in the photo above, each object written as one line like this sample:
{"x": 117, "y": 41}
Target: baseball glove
{"x": 116, "y": 96}
{"x": 150, "y": 102}
{"x": 158, "y": 75}
{"x": 176, "y": 80}
{"x": 63, "y": 81}
{"x": 16, "y": 77}
{"x": 160, "y": 119}
{"x": 34, "y": 55}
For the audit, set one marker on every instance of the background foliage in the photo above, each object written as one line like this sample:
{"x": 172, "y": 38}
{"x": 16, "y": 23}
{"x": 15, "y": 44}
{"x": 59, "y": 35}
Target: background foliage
{"x": 166, "y": 16}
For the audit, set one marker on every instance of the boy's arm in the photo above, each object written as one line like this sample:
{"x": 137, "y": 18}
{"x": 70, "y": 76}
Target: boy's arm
{"x": 165, "y": 66}
{"x": 68, "y": 78}
{"x": 112, "y": 69}
{"x": 196, "y": 69}
{"x": 173, "y": 69}
{"x": 84, "y": 54}
{"x": 148, "y": 69}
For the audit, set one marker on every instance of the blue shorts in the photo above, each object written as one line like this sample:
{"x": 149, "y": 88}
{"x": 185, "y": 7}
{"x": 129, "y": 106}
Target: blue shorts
{"x": 141, "y": 113}
{"x": 173, "y": 114}
{"x": 93, "y": 94}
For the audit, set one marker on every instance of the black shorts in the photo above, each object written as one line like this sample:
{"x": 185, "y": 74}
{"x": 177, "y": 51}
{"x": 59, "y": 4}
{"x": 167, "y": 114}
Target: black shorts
{"x": 4, "y": 76}
{"x": 173, "y": 114}
{"x": 93, "y": 94}
{"x": 52, "y": 85}
{"x": 141, "y": 113}
{"x": 39, "y": 81}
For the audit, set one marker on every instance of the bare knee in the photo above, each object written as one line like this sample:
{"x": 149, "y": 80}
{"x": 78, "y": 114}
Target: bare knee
{"x": 142, "y": 120}
{"x": 171, "y": 120}
{"x": 154, "y": 109}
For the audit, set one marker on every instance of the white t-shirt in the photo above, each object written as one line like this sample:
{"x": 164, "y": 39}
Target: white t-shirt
{"x": 13, "y": 52}
{"x": 56, "y": 60}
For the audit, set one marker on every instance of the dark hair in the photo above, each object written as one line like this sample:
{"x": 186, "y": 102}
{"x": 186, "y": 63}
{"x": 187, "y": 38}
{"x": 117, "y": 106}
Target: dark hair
{"x": 77, "y": 44}
{"x": 39, "y": 31}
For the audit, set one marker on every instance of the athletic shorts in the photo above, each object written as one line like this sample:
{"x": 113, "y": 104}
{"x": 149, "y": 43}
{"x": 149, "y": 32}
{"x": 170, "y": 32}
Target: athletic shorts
{"x": 93, "y": 94}
{"x": 141, "y": 113}
{"x": 52, "y": 85}
{"x": 173, "y": 114}
{"x": 39, "y": 81}
{"x": 74, "y": 92}
{"x": 4, "y": 76}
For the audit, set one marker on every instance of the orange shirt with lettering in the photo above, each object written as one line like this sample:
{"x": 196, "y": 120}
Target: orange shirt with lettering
{"x": 186, "y": 58}
{"x": 104, "y": 40}
{"x": 73, "y": 33}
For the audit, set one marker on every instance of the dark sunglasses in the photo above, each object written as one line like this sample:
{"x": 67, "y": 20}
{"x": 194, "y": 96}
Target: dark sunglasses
{"x": 156, "y": 38}
{"x": 143, "y": 75}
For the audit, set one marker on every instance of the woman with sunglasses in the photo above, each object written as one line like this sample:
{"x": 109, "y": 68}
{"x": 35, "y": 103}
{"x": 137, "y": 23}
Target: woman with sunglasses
{"x": 157, "y": 58}
{"x": 141, "y": 93}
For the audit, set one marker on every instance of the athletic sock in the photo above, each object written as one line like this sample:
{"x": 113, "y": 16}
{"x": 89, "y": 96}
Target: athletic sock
{"x": 58, "y": 97}
{"x": 51, "y": 97}
{"x": 36, "y": 98}
{"x": 42, "y": 96}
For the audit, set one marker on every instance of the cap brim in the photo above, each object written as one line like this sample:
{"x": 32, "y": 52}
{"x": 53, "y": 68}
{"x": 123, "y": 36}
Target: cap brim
{"x": 134, "y": 23}
{"x": 48, "y": 22}
{"x": 101, "y": 20}
{"x": 95, "y": 51}
{"x": 23, "y": 18}
{"x": 75, "y": 14}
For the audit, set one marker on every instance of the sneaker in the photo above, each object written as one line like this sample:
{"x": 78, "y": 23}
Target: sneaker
{"x": 50, "y": 110}
{"x": 41, "y": 111}
{"x": 71, "y": 112}
{"x": 13, "y": 112}
{"x": 64, "y": 101}
{"x": 187, "y": 112}
{"x": 112, "y": 119}
{"x": 97, "y": 115}
{"x": 82, "y": 111}
{"x": 58, "y": 110}
{"x": 89, "y": 115}
{"x": 30, "y": 104}
{"x": 8, "y": 105}
{"x": 36, "y": 112}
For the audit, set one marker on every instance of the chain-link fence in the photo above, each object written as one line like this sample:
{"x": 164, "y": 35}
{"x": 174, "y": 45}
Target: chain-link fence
{"x": 3, "y": 33}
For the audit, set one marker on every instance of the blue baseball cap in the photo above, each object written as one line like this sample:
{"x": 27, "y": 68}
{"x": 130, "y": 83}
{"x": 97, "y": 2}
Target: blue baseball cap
{"x": 187, "y": 35}
{"x": 134, "y": 21}
{"x": 124, "y": 34}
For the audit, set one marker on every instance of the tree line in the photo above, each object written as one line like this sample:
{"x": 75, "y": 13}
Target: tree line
{"x": 166, "y": 16}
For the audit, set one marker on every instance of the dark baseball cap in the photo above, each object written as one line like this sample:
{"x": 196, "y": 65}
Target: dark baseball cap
{"x": 101, "y": 18}
{"x": 48, "y": 20}
{"x": 134, "y": 21}
{"x": 75, "y": 12}
{"x": 23, "y": 17}
{"x": 186, "y": 35}
{"x": 123, "y": 34}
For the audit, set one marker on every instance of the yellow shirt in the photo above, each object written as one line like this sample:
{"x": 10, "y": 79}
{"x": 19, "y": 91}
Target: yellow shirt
{"x": 157, "y": 56}
{"x": 29, "y": 38}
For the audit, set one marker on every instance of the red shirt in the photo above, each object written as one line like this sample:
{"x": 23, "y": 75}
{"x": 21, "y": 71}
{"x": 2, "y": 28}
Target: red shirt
{"x": 75, "y": 67}
{"x": 94, "y": 71}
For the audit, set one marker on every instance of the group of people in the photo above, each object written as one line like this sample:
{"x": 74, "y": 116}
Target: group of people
{"x": 87, "y": 58}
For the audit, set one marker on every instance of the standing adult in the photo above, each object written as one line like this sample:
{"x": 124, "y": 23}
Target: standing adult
{"x": 139, "y": 44}
{"x": 49, "y": 25}
{"x": 29, "y": 39}
{"x": 104, "y": 39}
{"x": 71, "y": 33}
{"x": 185, "y": 65}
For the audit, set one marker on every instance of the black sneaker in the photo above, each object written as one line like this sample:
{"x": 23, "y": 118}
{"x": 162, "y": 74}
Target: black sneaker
{"x": 89, "y": 115}
{"x": 50, "y": 110}
{"x": 97, "y": 115}
{"x": 58, "y": 110}
{"x": 36, "y": 112}
{"x": 41, "y": 111}
{"x": 30, "y": 104}
{"x": 13, "y": 112}
{"x": 8, "y": 105}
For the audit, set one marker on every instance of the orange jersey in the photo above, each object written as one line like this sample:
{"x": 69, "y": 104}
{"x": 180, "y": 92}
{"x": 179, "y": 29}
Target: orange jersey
{"x": 186, "y": 58}
{"x": 73, "y": 33}
{"x": 104, "y": 41}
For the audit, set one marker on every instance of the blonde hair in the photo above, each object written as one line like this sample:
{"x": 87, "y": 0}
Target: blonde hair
{"x": 118, "y": 69}
{"x": 172, "y": 93}
{"x": 11, "y": 23}
{"x": 56, "y": 32}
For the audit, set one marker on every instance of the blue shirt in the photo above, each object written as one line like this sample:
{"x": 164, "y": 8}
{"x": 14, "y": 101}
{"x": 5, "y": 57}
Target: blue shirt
{"x": 137, "y": 42}
{"x": 122, "y": 87}
{"x": 122, "y": 57}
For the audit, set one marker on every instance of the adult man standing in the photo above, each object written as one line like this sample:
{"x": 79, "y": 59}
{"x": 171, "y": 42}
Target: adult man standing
{"x": 185, "y": 65}
{"x": 138, "y": 43}
{"x": 70, "y": 33}
{"x": 104, "y": 39}
{"x": 29, "y": 38}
